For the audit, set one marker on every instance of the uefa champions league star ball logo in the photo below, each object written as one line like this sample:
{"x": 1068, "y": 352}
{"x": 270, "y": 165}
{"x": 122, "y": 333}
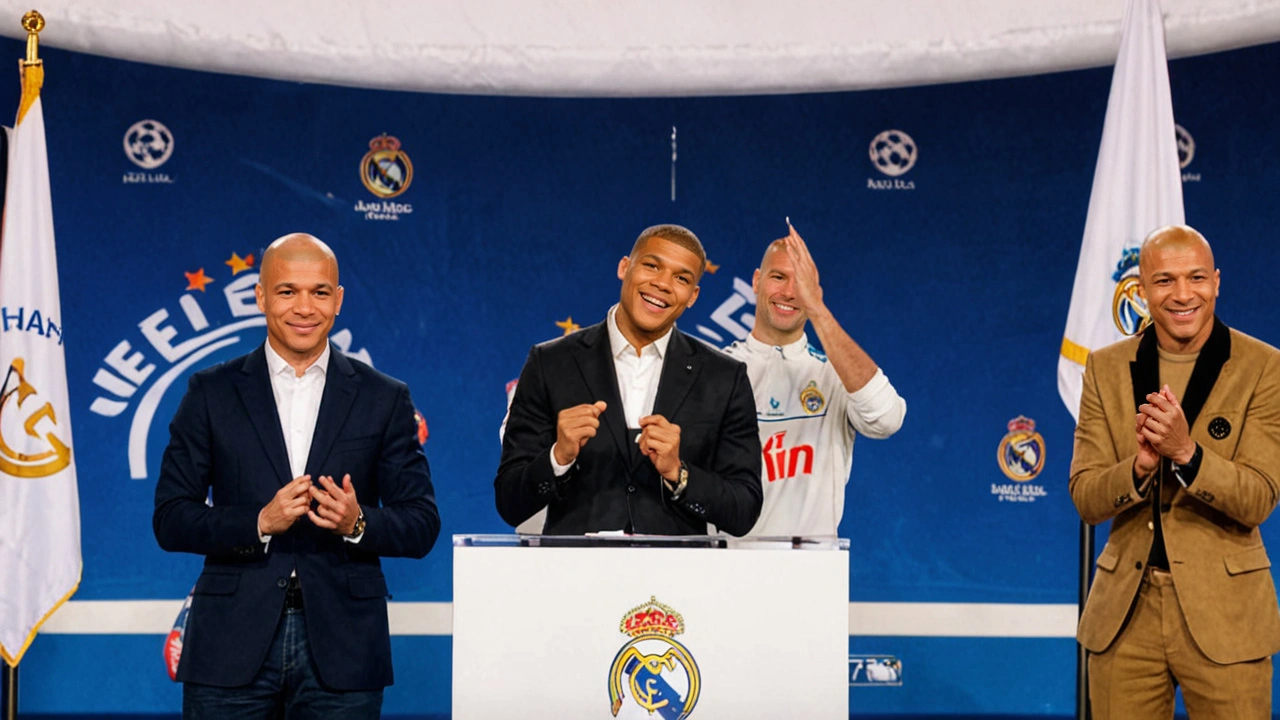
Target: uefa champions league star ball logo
{"x": 1186, "y": 146}
{"x": 148, "y": 143}
{"x": 893, "y": 152}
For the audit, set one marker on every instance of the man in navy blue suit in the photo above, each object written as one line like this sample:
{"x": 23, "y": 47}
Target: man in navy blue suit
{"x": 314, "y": 471}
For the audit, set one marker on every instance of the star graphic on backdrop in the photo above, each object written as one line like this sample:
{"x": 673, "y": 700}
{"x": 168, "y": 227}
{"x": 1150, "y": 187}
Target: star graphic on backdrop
{"x": 197, "y": 280}
{"x": 568, "y": 325}
{"x": 240, "y": 264}
{"x": 712, "y": 267}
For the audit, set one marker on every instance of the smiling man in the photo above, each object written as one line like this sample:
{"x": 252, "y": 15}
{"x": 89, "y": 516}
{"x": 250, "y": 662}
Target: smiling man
{"x": 1178, "y": 444}
{"x": 314, "y": 470}
{"x": 630, "y": 424}
{"x": 810, "y": 406}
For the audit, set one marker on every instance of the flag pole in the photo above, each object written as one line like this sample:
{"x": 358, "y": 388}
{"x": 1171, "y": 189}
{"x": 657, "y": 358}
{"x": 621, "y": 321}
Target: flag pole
{"x": 1087, "y": 541}
{"x": 33, "y": 23}
{"x": 9, "y": 691}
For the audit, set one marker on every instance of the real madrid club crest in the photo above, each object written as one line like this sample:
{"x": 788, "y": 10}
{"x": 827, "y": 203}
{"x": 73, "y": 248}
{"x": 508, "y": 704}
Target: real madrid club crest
{"x": 653, "y": 673}
{"x": 1021, "y": 453}
{"x": 811, "y": 398}
{"x": 386, "y": 169}
{"x": 1128, "y": 307}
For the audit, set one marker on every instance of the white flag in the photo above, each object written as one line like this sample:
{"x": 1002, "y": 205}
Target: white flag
{"x": 1137, "y": 187}
{"x": 39, "y": 507}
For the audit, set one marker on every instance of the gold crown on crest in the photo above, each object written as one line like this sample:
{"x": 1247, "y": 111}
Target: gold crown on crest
{"x": 1022, "y": 423}
{"x": 384, "y": 142}
{"x": 652, "y": 618}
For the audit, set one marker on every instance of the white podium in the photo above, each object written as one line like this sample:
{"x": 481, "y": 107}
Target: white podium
{"x": 649, "y": 627}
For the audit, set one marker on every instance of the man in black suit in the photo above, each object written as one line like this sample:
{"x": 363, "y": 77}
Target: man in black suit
{"x": 289, "y": 616}
{"x": 630, "y": 424}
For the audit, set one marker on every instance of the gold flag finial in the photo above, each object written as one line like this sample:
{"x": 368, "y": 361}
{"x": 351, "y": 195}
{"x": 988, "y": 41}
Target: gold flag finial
{"x": 33, "y": 23}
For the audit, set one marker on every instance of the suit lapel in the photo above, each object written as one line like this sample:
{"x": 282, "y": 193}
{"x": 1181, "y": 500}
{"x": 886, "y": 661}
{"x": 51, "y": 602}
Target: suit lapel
{"x": 1145, "y": 368}
{"x": 680, "y": 369}
{"x": 1214, "y": 354}
{"x": 335, "y": 404}
{"x": 254, "y": 388}
{"x": 595, "y": 361}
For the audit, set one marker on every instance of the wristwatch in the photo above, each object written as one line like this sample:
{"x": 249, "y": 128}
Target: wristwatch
{"x": 358, "y": 530}
{"x": 682, "y": 481}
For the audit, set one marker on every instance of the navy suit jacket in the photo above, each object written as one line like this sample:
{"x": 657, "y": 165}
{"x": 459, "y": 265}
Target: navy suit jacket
{"x": 226, "y": 437}
{"x": 612, "y": 486}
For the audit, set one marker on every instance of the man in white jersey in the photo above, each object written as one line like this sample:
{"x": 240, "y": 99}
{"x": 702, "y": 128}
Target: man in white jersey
{"x": 810, "y": 406}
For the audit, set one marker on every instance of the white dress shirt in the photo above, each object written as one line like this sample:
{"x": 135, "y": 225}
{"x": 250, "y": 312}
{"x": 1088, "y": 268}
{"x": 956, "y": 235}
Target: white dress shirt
{"x": 298, "y": 405}
{"x": 637, "y": 375}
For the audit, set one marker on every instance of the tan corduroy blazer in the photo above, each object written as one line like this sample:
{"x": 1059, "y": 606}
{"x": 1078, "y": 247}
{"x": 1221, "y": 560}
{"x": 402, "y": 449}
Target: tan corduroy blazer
{"x": 1220, "y": 567}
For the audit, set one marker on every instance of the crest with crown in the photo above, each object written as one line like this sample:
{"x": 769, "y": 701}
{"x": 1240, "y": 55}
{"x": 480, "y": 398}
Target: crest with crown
{"x": 1128, "y": 261}
{"x": 1022, "y": 423}
{"x": 384, "y": 142}
{"x": 652, "y": 618}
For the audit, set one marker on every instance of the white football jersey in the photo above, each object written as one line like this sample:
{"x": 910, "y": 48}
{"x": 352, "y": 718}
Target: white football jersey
{"x": 808, "y": 423}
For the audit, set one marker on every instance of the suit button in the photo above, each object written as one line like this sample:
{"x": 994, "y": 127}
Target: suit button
{"x": 631, "y": 488}
{"x": 1151, "y": 525}
{"x": 1137, "y": 565}
{"x": 282, "y": 583}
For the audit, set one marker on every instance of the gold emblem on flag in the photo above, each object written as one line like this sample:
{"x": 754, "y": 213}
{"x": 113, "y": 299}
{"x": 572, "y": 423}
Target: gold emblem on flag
{"x": 1128, "y": 306}
{"x": 34, "y": 465}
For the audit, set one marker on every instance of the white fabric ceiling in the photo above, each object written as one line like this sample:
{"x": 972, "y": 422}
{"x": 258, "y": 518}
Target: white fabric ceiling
{"x": 629, "y": 47}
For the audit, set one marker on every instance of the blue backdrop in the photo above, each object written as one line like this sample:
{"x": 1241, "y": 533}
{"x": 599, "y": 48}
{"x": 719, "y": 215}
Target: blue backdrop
{"x": 954, "y": 275}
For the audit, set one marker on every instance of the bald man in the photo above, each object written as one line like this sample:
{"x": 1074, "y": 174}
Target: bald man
{"x": 314, "y": 470}
{"x": 1178, "y": 444}
{"x": 810, "y": 406}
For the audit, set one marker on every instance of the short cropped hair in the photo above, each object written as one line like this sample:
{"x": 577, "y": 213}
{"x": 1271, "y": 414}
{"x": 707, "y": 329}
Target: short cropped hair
{"x": 677, "y": 234}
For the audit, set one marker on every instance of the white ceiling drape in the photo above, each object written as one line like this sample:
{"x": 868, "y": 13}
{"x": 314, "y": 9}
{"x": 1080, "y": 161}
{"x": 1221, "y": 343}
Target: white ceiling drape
{"x": 629, "y": 47}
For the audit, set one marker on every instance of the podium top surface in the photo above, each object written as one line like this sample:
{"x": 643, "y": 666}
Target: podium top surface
{"x": 712, "y": 542}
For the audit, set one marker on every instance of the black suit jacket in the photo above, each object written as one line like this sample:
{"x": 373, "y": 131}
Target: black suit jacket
{"x": 612, "y": 486}
{"x": 226, "y": 436}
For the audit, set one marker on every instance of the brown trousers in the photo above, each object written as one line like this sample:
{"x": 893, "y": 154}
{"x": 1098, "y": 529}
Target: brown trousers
{"x": 1135, "y": 678}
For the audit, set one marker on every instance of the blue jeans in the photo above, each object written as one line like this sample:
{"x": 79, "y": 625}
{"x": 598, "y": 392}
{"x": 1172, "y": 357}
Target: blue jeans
{"x": 286, "y": 687}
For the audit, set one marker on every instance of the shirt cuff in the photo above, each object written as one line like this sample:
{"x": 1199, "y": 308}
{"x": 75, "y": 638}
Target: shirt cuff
{"x": 1142, "y": 486}
{"x": 1186, "y": 474}
{"x": 556, "y": 467}
{"x": 352, "y": 540}
{"x": 264, "y": 539}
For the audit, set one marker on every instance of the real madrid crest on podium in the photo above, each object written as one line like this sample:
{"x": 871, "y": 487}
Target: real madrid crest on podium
{"x": 653, "y": 673}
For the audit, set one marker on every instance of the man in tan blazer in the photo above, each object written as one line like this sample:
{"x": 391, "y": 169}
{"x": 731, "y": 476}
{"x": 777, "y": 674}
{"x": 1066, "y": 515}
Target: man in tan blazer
{"x": 1178, "y": 443}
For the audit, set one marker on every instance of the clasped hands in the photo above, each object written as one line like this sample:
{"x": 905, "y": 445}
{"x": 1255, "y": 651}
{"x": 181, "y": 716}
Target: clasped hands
{"x": 1162, "y": 430}
{"x": 659, "y": 439}
{"x": 336, "y": 508}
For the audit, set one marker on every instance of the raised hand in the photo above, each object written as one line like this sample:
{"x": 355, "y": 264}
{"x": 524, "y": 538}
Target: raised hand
{"x": 289, "y": 503}
{"x": 807, "y": 289}
{"x": 660, "y": 442}
{"x": 336, "y": 507}
{"x": 574, "y": 427}
{"x": 1165, "y": 427}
